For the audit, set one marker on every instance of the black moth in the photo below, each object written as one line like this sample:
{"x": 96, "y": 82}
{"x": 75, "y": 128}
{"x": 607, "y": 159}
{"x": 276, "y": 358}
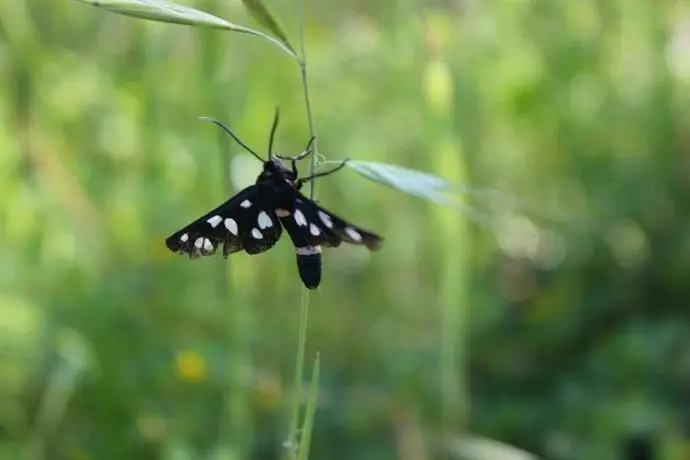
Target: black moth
{"x": 253, "y": 220}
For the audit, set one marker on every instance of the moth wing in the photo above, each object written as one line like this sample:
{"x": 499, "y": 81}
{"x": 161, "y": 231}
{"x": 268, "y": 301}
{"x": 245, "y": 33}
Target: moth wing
{"x": 312, "y": 225}
{"x": 238, "y": 224}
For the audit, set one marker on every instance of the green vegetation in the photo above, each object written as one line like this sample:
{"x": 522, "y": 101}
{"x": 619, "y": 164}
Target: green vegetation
{"x": 538, "y": 299}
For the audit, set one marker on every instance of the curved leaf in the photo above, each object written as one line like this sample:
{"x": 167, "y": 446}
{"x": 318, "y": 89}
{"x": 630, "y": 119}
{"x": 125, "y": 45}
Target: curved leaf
{"x": 407, "y": 180}
{"x": 162, "y": 11}
{"x": 263, "y": 16}
{"x": 495, "y": 203}
{"x": 422, "y": 185}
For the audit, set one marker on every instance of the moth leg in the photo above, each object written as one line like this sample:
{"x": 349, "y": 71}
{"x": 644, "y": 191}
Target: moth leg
{"x": 295, "y": 158}
{"x": 304, "y": 180}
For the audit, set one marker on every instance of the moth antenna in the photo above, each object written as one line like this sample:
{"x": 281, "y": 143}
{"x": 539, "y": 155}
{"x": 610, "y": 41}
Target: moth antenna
{"x": 276, "y": 117}
{"x": 237, "y": 139}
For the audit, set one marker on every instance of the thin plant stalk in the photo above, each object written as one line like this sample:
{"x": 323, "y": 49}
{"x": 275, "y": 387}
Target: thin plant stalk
{"x": 291, "y": 443}
{"x": 307, "y": 99}
{"x": 305, "y": 442}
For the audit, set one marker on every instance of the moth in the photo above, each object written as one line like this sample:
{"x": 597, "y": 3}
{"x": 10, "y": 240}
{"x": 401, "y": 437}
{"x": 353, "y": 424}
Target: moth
{"x": 253, "y": 220}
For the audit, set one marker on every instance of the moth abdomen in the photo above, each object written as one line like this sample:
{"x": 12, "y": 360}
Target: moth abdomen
{"x": 309, "y": 265}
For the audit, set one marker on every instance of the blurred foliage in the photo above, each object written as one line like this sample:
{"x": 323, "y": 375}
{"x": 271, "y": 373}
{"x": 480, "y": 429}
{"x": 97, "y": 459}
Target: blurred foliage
{"x": 549, "y": 315}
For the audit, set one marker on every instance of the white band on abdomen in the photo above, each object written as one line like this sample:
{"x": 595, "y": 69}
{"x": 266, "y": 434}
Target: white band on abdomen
{"x": 308, "y": 250}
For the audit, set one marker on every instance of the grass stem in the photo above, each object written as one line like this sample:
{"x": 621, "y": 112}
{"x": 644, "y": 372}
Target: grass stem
{"x": 292, "y": 443}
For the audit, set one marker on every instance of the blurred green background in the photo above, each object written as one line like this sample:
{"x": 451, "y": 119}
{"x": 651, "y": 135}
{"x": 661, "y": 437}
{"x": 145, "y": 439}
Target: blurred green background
{"x": 549, "y": 315}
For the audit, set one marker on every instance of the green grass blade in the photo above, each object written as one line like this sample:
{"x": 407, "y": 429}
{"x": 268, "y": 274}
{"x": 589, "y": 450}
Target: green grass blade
{"x": 403, "y": 179}
{"x": 450, "y": 193}
{"x": 263, "y": 16}
{"x": 422, "y": 185}
{"x": 162, "y": 11}
{"x": 156, "y": 10}
{"x": 62, "y": 384}
{"x": 305, "y": 439}
{"x": 291, "y": 441}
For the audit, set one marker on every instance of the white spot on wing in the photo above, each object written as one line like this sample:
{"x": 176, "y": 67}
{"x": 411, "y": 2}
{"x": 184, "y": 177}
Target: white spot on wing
{"x": 246, "y": 204}
{"x": 208, "y": 246}
{"x": 354, "y": 234}
{"x": 214, "y": 221}
{"x": 257, "y": 234}
{"x": 264, "y": 220}
{"x": 199, "y": 242}
{"x": 282, "y": 212}
{"x": 326, "y": 219}
{"x": 300, "y": 219}
{"x": 314, "y": 230}
{"x": 184, "y": 238}
{"x": 231, "y": 225}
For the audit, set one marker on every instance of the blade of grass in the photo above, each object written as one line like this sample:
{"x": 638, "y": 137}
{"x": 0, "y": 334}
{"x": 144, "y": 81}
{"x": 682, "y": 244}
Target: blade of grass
{"x": 441, "y": 191}
{"x": 263, "y": 16}
{"x": 310, "y": 410}
{"x": 161, "y": 11}
{"x": 291, "y": 441}
{"x": 453, "y": 300}
{"x": 421, "y": 185}
{"x": 72, "y": 362}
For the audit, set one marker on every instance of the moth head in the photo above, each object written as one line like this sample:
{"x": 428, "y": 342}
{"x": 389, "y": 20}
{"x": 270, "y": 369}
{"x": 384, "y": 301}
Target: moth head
{"x": 276, "y": 168}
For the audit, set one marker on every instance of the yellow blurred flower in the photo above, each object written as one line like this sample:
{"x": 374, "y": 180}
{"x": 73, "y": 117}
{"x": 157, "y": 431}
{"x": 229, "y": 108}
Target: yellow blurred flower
{"x": 191, "y": 366}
